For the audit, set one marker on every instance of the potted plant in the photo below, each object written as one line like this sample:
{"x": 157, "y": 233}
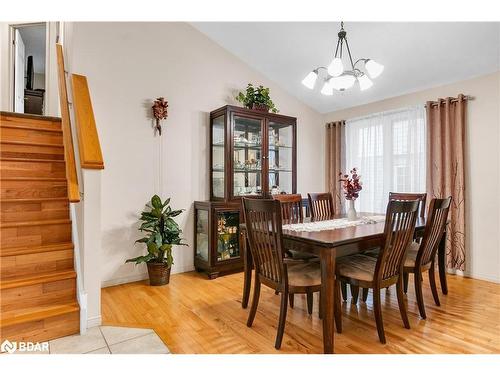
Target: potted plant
{"x": 162, "y": 233}
{"x": 257, "y": 98}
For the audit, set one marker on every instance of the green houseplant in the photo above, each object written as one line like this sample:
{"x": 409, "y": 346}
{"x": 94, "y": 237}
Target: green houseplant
{"x": 257, "y": 98}
{"x": 162, "y": 232}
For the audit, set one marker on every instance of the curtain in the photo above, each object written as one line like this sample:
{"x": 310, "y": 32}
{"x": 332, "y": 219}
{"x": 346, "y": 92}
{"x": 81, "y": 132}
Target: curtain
{"x": 445, "y": 168}
{"x": 335, "y": 154}
{"x": 388, "y": 149}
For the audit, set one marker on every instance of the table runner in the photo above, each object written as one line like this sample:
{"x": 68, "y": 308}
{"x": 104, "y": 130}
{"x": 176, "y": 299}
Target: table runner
{"x": 317, "y": 226}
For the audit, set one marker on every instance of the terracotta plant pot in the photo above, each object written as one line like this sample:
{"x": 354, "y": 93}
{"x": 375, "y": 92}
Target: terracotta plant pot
{"x": 159, "y": 273}
{"x": 260, "y": 107}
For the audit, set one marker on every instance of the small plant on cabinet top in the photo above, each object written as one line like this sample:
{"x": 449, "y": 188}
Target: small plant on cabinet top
{"x": 162, "y": 232}
{"x": 257, "y": 98}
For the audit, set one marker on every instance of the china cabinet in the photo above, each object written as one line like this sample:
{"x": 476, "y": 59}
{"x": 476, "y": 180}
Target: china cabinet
{"x": 252, "y": 154}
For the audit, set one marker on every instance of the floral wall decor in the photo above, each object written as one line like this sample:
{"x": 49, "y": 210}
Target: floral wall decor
{"x": 160, "y": 112}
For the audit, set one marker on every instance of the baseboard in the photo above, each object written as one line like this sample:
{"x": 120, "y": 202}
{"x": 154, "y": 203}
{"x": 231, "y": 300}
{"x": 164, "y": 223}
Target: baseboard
{"x": 141, "y": 276}
{"x": 124, "y": 280}
{"x": 94, "y": 322}
{"x": 473, "y": 276}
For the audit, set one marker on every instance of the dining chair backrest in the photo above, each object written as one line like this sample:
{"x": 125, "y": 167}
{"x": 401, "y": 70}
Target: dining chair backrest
{"x": 321, "y": 205}
{"x": 421, "y": 197}
{"x": 399, "y": 228}
{"x": 263, "y": 225}
{"x": 434, "y": 230}
{"x": 291, "y": 207}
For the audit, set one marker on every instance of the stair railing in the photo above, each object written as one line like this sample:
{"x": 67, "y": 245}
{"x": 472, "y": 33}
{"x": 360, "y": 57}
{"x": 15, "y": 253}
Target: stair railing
{"x": 90, "y": 157}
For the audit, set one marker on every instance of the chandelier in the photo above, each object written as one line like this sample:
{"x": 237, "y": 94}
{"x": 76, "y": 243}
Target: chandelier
{"x": 340, "y": 79}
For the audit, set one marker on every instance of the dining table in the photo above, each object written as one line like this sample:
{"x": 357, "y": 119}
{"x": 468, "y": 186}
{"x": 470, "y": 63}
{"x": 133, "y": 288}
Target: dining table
{"x": 328, "y": 244}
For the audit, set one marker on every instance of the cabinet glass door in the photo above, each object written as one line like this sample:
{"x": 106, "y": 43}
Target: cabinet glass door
{"x": 280, "y": 158}
{"x": 227, "y": 235}
{"x": 247, "y": 156}
{"x": 218, "y": 156}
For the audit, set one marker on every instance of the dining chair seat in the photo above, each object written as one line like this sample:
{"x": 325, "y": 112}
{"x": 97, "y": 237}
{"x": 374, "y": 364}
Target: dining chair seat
{"x": 303, "y": 275}
{"x": 357, "y": 267}
{"x": 411, "y": 255}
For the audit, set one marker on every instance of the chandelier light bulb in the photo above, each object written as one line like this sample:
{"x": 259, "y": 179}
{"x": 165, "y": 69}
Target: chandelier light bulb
{"x": 327, "y": 89}
{"x": 342, "y": 82}
{"x": 336, "y": 67}
{"x": 364, "y": 82}
{"x": 310, "y": 80}
{"x": 373, "y": 68}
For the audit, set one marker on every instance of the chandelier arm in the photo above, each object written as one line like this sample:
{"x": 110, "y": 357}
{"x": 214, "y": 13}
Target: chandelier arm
{"x": 349, "y": 51}
{"x": 337, "y": 49}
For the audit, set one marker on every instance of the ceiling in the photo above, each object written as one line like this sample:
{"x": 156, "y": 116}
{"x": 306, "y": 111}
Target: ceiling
{"x": 34, "y": 44}
{"x": 416, "y": 55}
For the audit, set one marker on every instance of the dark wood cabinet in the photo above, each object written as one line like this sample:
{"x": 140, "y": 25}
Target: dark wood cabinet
{"x": 252, "y": 154}
{"x": 33, "y": 101}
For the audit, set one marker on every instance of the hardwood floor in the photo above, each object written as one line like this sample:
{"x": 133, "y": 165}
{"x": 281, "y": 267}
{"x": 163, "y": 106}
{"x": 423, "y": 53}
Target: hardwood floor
{"x": 196, "y": 315}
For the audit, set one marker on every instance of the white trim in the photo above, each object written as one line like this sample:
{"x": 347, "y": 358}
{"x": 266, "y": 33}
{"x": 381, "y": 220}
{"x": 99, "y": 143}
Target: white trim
{"x": 94, "y": 322}
{"x": 141, "y": 276}
{"x": 473, "y": 275}
{"x": 81, "y": 294}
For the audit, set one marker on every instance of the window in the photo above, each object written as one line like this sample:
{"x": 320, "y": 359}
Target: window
{"x": 388, "y": 149}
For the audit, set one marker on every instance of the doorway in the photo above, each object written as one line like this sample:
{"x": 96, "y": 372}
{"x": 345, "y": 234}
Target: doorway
{"x": 29, "y": 76}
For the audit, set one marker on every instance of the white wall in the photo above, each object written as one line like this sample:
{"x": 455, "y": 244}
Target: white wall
{"x": 483, "y": 163}
{"x": 128, "y": 65}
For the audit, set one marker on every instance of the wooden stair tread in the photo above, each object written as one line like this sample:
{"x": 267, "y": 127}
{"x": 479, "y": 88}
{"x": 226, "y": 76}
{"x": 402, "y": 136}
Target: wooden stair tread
{"x": 38, "y": 279}
{"x": 30, "y": 116}
{"x": 33, "y": 223}
{"x": 35, "y": 199}
{"x": 37, "y": 313}
{"x": 22, "y": 250}
{"x": 28, "y": 160}
{"x": 53, "y": 179}
{"x": 24, "y": 143}
{"x": 28, "y": 127}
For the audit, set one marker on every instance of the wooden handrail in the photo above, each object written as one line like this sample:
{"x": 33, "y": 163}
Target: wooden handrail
{"x": 88, "y": 139}
{"x": 69, "y": 152}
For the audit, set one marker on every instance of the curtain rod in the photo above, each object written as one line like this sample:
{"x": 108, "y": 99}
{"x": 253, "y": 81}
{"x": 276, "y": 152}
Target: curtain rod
{"x": 453, "y": 100}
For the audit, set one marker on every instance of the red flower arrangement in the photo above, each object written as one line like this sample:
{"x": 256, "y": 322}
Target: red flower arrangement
{"x": 351, "y": 185}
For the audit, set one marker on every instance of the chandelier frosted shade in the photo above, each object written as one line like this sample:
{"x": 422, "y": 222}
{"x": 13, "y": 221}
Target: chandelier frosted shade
{"x": 310, "y": 80}
{"x": 336, "y": 67}
{"x": 364, "y": 82}
{"x": 373, "y": 68}
{"x": 342, "y": 82}
{"x": 327, "y": 89}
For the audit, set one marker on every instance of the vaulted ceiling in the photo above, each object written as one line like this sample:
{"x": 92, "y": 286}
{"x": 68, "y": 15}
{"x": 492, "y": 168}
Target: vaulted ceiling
{"x": 416, "y": 55}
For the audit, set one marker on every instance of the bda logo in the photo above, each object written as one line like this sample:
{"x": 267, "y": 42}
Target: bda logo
{"x": 9, "y": 347}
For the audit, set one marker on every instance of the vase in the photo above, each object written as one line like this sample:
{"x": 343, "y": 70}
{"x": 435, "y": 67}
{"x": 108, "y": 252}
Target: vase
{"x": 260, "y": 107}
{"x": 159, "y": 273}
{"x": 351, "y": 212}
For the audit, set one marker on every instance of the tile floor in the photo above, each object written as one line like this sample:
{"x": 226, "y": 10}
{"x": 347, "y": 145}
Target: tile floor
{"x": 109, "y": 340}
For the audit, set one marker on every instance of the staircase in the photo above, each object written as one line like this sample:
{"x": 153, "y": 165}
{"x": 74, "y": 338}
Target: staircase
{"x": 37, "y": 277}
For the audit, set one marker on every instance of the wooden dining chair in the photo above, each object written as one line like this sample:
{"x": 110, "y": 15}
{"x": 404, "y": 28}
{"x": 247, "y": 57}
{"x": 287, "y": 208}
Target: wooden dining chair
{"x": 263, "y": 224}
{"x": 321, "y": 205}
{"x": 364, "y": 271}
{"x": 421, "y": 197}
{"x": 291, "y": 213}
{"x": 291, "y": 208}
{"x": 421, "y": 256}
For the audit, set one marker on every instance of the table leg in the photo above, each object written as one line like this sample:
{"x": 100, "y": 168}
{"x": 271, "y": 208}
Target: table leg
{"x": 442, "y": 264}
{"x": 327, "y": 298}
{"x": 247, "y": 271}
